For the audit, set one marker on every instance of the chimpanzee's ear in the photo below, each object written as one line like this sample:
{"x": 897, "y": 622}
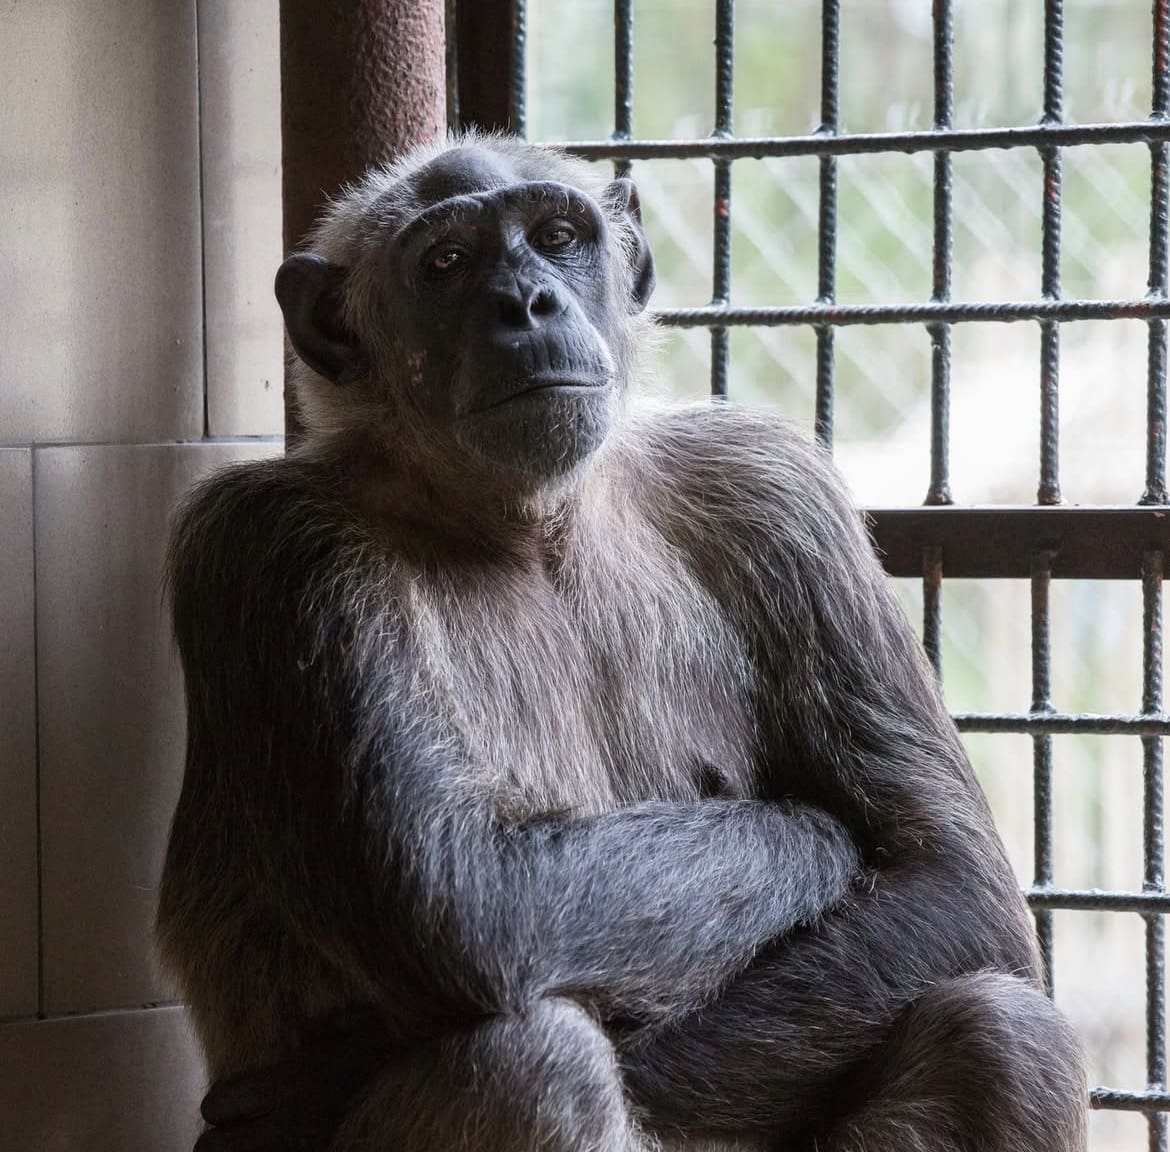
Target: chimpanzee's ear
{"x": 308, "y": 289}
{"x": 622, "y": 197}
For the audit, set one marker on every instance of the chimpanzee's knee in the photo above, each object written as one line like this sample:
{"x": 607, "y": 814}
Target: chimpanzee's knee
{"x": 983, "y": 1063}
{"x": 544, "y": 1079}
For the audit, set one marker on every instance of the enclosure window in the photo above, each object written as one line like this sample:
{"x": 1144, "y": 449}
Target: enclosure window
{"x": 937, "y": 236}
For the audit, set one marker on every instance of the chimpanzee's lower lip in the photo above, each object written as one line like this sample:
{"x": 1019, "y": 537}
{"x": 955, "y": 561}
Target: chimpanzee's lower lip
{"x": 543, "y": 385}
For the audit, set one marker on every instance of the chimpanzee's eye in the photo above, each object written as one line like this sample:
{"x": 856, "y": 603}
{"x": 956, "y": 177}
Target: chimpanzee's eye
{"x": 446, "y": 259}
{"x": 555, "y": 237}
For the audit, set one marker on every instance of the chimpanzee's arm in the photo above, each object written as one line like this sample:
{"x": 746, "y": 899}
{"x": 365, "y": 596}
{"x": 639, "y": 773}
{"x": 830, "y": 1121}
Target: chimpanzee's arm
{"x": 854, "y": 722}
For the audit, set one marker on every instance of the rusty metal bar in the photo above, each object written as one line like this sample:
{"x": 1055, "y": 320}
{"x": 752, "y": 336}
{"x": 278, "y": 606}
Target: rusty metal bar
{"x": 1099, "y": 543}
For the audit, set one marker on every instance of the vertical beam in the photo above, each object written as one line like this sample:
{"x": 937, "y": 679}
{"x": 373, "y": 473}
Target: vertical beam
{"x": 721, "y": 249}
{"x": 1042, "y": 846}
{"x": 491, "y": 54}
{"x": 360, "y": 82}
{"x": 932, "y": 577}
{"x": 939, "y": 491}
{"x": 827, "y": 215}
{"x": 623, "y": 77}
{"x": 1048, "y": 491}
{"x": 451, "y": 63}
{"x": 1153, "y": 841}
{"x": 1155, "y": 492}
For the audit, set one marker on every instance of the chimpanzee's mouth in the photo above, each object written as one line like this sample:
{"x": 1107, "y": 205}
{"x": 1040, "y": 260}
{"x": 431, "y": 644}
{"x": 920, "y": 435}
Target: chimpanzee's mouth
{"x": 544, "y": 386}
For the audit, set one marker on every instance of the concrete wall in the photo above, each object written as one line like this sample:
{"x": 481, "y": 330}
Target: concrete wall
{"x": 139, "y": 348}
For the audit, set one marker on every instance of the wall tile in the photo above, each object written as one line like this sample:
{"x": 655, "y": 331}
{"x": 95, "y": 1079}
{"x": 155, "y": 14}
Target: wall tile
{"x": 113, "y": 1083}
{"x": 18, "y": 801}
{"x": 100, "y": 243}
{"x": 110, "y": 710}
{"x": 239, "y": 85}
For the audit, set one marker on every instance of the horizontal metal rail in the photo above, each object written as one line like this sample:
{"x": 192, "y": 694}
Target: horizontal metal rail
{"x": 1062, "y": 724}
{"x": 1118, "y": 1101}
{"x": 924, "y": 312}
{"x": 1097, "y": 543}
{"x": 862, "y": 143}
{"x": 1094, "y": 900}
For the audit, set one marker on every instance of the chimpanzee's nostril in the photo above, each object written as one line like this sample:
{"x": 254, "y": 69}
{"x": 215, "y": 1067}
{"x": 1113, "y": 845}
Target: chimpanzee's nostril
{"x": 513, "y": 310}
{"x": 544, "y": 303}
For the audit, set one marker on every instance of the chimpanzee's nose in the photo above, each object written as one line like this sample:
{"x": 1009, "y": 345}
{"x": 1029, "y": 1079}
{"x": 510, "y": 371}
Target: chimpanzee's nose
{"x": 525, "y": 304}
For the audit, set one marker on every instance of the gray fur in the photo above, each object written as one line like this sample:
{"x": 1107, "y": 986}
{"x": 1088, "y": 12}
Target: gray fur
{"x": 627, "y": 799}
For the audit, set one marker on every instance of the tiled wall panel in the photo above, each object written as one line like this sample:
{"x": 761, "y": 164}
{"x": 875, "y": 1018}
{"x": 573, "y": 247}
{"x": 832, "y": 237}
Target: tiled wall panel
{"x": 110, "y": 710}
{"x": 126, "y": 178}
{"x": 239, "y": 71}
{"x": 99, "y": 222}
{"x": 122, "y": 1082}
{"x": 18, "y": 773}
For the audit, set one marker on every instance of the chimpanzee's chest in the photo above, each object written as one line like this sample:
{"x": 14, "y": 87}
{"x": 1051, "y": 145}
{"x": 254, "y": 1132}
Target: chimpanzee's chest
{"x": 579, "y": 697}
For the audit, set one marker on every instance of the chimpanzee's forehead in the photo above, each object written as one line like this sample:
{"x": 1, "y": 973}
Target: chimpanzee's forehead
{"x": 462, "y": 171}
{"x": 520, "y": 198}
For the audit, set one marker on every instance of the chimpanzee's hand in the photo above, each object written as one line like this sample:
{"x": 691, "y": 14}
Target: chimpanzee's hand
{"x": 298, "y": 1104}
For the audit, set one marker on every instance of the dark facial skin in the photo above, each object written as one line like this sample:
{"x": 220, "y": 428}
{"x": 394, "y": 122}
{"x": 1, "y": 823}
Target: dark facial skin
{"x": 504, "y": 293}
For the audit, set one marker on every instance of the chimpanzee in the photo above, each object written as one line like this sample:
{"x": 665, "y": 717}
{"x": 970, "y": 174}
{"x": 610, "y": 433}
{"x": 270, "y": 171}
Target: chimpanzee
{"x": 575, "y": 743}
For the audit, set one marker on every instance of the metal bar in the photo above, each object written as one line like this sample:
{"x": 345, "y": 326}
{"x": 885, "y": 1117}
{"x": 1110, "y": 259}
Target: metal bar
{"x": 1100, "y": 543}
{"x": 1048, "y": 491}
{"x": 721, "y": 208}
{"x": 451, "y": 64}
{"x": 858, "y": 143}
{"x": 1155, "y": 492}
{"x": 939, "y": 491}
{"x": 1058, "y": 723}
{"x": 842, "y": 315}
{"x": 932, "y": 574}
{"x": 1113, "y": 1099}
{"x": 1042, "y": 850}
{"x": 518, "y": 106}
{"x": 720, "y": 346}
{"x": 827, "y": 216}
{"x": 724, "y": 66}
{"x": 1153, "y": 841}
{"x": 1091, "y": 900}
{"x": 490, "y": 58}
{"x": 623, "y": 77}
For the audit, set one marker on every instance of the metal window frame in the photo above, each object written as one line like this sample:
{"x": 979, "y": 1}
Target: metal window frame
{"x": 1038, "y": 543}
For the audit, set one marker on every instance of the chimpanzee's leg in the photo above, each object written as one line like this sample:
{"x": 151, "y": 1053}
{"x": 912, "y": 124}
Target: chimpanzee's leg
{"x": 542, "y": 1081}
{"x": 979, "y": 1063}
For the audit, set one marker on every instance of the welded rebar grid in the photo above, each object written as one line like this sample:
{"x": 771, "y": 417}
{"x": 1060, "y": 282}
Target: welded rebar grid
{"x": 1040, "y": 543}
